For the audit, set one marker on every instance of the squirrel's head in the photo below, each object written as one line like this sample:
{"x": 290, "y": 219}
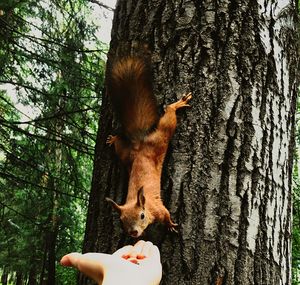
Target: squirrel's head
{"x": 134, "y": 216}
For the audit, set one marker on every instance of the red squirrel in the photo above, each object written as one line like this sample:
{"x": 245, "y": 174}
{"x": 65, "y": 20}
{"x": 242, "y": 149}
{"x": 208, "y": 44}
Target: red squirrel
{"x": 143, "y": 144}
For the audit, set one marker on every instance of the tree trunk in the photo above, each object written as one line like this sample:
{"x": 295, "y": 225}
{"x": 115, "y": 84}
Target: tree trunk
{"x": 43, "y": 265}
{"x": 4, "y": 277}
{"x": 51, "y": 239}
{"x": 19, "y": 280}
{"x": 53, "y": 230}
{"x": 32, "y": 278}
{"x": 227, "y": 174}
{"x": 49, "y": 258}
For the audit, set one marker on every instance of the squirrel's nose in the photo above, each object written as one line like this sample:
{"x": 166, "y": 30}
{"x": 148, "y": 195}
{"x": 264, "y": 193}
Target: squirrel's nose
{"x": 134, "y": 233}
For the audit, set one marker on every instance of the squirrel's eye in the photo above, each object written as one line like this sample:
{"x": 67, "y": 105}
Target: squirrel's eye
{"x": 142, "y": 216}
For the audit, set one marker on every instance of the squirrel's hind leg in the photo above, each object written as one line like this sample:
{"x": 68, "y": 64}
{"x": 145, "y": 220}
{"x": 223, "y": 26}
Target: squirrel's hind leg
{"x": 183, "y": 102}
{"x": 167, "y": 123}
{"x": 122, "y": 148}
{"x": 111, "y": 140}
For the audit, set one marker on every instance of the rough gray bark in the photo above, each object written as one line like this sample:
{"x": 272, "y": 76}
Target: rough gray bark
{"x": 227, "y": 175}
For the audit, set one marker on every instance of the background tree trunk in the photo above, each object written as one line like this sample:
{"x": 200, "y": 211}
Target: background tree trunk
{"x": 4, "y": 276}
{"x": 19, "y": 278}
{"x": 32, "y": 278}
{"x": 227, "y": 175}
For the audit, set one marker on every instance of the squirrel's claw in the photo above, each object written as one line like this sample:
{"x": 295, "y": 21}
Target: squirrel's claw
{"x": 183, "y": 102}
{"x": 111, "y": 140}
{"x": 187, "y": 97}
{"x": 172, "y": 227}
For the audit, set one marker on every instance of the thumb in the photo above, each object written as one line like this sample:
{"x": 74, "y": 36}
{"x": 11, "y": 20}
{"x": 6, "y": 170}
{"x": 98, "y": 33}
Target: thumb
{"x": 90, "y": 264}
{"x": 70, "y": 260}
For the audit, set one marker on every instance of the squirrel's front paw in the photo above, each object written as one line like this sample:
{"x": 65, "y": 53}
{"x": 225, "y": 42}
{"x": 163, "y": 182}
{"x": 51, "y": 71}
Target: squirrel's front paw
{"x": 172, "y": 227}
{"x": 111, "y": 140}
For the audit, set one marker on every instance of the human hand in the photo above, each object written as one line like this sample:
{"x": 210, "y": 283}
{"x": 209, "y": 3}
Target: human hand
{"x": 135, "y": 265}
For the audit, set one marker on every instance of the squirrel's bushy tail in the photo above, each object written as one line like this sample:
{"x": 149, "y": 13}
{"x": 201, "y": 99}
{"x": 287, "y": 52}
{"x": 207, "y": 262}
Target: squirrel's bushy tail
{"x": 129, "y": 84}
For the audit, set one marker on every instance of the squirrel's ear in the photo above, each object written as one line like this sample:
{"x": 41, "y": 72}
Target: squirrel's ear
{"x": 114, "y": 204}
{"x": 141, "y": 198}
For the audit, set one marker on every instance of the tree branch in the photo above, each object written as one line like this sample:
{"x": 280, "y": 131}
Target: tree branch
{"x": 24, "y": 86}
{"x": 54, "y": 116}
{"x": 102, "y": 5}
{"x": 50, "y": 41}
{"x": 61, "y": 140}
{"x": 35, "y": 167}
{"x": 15, "y": 178}
{"x": 20, "y": 214}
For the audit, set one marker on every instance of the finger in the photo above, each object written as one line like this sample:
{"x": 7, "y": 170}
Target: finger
{"x": 155, "y": 254}
{"x": 151, "y": 267}
{"x": 147, "y": 249}
{"x": 137, "y": 248}
{"x": 152, "y": 257}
